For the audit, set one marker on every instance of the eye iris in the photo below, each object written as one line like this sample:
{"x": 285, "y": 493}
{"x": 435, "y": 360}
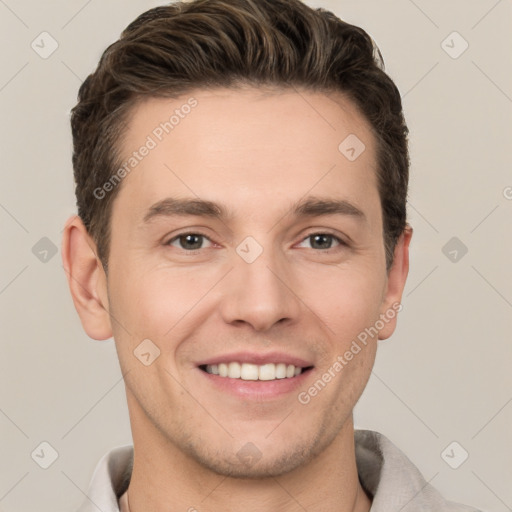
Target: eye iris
{"x": 189, "y": 239}
{"x": 324, "y": 241}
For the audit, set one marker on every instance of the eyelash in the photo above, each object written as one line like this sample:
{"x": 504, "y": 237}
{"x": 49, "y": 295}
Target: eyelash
{"x": 340, "y": 241}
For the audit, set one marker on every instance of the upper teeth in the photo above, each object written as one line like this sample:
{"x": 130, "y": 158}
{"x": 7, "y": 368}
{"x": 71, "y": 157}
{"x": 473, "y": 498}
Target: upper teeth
{"x": 246, "y": 371}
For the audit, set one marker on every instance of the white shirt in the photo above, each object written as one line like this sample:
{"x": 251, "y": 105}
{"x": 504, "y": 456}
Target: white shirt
{"x": 387, "y": 475}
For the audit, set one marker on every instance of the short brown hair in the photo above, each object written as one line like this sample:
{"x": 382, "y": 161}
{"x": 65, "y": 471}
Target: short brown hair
{"x": 196, "y": 44}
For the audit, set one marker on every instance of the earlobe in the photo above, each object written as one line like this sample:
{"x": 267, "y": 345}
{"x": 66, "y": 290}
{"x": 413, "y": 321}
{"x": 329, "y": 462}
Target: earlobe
{"x": 86, "y": 279}
{"x": 397, "y": 277}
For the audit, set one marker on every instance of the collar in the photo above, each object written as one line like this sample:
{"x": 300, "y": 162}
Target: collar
{"x": 386, "y": 474}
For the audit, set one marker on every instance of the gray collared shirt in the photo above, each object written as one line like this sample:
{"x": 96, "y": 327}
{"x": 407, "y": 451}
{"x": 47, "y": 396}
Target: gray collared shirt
{"x": 386, "y": 474}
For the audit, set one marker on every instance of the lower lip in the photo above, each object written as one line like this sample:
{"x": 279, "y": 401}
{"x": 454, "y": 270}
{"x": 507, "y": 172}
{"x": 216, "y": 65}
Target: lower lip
{"x": 257, "y": 389}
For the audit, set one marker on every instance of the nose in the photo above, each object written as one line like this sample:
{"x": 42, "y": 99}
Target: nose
{"x": 260, "y": 294}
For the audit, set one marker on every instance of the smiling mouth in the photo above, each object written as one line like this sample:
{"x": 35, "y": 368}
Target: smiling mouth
{"x": 254, "y": 372}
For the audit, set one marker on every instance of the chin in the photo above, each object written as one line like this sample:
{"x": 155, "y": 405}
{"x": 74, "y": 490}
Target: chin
{"x": 255, "y": 470}
{"x": 251, "y": 463}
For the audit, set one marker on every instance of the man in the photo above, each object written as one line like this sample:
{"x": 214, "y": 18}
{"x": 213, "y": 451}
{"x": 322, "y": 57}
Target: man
{"x": 241, "y": 176}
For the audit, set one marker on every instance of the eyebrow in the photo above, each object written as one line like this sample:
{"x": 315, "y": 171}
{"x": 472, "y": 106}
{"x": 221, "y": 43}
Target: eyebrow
{"x": 309, "y": 207}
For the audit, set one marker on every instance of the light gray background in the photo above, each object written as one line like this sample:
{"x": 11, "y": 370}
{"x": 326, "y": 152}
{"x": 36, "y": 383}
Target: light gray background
{"x": 443, "y": 377}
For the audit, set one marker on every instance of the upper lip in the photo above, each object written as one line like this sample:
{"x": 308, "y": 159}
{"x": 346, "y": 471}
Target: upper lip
{"x": 257, "y": 358}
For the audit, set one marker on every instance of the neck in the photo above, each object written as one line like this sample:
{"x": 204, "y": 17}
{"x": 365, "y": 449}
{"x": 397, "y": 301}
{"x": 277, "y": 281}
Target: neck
{"x": 164, "y": 478}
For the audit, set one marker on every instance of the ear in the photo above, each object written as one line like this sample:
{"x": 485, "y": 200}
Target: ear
{"x": 397, "y": 276}
{"x": 86, "y": 279}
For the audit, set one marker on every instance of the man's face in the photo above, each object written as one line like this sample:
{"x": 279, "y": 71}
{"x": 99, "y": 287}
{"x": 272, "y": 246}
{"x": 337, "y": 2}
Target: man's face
{"x": 259, "y": 289}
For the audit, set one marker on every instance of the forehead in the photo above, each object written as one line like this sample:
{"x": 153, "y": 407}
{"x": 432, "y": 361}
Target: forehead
{"x": 250, "y": 147}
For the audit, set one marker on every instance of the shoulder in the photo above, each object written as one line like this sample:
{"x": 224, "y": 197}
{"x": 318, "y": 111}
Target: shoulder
{"x": 109, "y": 480}
{"x": 393, "y": 481}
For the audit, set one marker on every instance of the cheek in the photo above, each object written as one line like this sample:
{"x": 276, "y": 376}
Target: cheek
{"x": 347, "y": 301}
{"x": 155, "y": 303}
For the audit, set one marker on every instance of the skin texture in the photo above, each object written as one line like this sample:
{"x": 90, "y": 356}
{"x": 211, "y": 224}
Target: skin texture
{"x": 256, "y": 152}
